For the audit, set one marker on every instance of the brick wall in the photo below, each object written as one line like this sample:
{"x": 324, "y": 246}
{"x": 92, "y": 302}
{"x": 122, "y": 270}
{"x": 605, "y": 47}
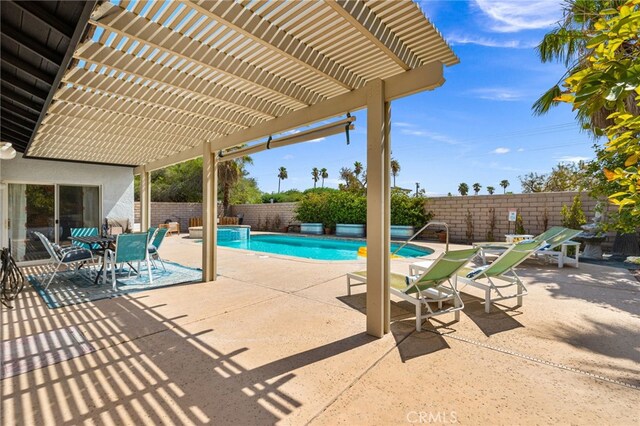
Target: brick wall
{"x": 452, "y": 210}
{"x": 532, "y": 208}
{"x": 257, "y": 214}
{"x": 176, "y": 212}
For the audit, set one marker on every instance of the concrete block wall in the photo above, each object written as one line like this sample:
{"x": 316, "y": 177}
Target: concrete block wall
{"x": 532, "y": 208}
{"x": 256, "y": 214}
{"x": 176, "y": 212}
{"x": 453, "y": 210}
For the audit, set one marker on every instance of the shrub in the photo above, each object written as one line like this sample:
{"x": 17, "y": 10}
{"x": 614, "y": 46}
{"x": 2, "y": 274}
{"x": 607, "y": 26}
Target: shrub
{"x": 332, "y": 207}
{"x": 469, "y": 222}
{"x": 492, "y": 224}
{"x": 289, "y": 196}
{"x": 312, "y": 208}
{"x": 573, "y": 217}
{"x": 519, "y": 225}
{"x": 407, "y": 210}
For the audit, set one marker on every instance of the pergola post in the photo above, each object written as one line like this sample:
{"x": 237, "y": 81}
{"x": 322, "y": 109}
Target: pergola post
{"x": 145, "y": 199}
{"x": 209, "y": 213}
{"x": 387, "y": 214}
{"x": 377, "y": 209}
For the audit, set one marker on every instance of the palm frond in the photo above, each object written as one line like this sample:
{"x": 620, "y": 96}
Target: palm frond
{"x": 546, "y": 101}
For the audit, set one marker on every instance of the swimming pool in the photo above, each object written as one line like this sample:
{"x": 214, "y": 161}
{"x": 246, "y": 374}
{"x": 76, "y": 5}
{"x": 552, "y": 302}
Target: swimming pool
{"x": 314, "y": 248}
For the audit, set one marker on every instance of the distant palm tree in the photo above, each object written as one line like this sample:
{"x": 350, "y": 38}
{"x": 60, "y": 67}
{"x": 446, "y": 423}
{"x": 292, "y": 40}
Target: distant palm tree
{"x": 395, "y": 170}
{"x": 504, "y": 183}
{"x": 476, "y": 187}
{"x": 357, "y": 169}
{"x": 315, "y": 175}
{"x": 463, "y": 188}
{"x": 282, "y": 175}
{"x": 491, "y": 190}
{"x": 346, "y": 174}
{"x": 324, "y": 175}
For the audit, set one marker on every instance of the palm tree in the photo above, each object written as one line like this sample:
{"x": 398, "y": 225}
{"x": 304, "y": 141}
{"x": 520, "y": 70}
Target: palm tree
{"x": 476, "y": 188}
{"x": 229, "y": 174}
{"x": 504, "y": 183}
{"x": 463, "y": 188}
{"x": 346, "y": 174}
{"x": 282, "y": 175}
{"x": 357, "y": 169}
{"x": 491, "y": 190}
{"x": 315, "y": 175}
{"x": 567, "y": 44}
{"x": 324, "y": 175}
{"x": 395, "y": 170}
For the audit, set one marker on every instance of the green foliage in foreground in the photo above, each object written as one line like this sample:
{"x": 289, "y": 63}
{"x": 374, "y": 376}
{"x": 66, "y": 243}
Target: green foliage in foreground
{"x": 599, "y": 43}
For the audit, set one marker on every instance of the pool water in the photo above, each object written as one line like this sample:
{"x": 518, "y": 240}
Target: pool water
{"x": 314, "y": 248}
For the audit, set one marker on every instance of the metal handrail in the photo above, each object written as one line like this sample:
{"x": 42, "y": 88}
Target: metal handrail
{"x": 446, "y": 227}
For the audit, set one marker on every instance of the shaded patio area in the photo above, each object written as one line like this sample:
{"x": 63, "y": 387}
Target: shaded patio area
{"x": 276, "y": 340}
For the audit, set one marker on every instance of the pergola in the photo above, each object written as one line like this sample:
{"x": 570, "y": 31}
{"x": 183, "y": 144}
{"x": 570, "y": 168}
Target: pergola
{"x": 156, "y": 83}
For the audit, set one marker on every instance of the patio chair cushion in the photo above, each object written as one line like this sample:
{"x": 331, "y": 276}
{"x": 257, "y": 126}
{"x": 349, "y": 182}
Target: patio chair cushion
{"x": 74, "y": 254}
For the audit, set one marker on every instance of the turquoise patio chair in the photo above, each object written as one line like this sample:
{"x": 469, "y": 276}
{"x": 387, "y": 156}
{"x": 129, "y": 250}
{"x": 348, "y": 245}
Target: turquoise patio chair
{"x": 84, "y": 232}
{"x": 500, "y": 274}
{"x": 129, "y": 248}
{"x": 154, "y": 246}
{"x": 428, "y": 286}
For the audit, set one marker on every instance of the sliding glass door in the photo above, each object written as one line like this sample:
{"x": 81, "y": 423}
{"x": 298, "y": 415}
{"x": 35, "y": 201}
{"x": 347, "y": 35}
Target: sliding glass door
{"x": 31, "y": 209}
{"x": 78, "y": 207}
{"x": 51, "y": 210}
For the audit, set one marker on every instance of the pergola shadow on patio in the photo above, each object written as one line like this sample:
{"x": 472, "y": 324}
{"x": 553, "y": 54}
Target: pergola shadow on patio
{"x": 262, "y": 347}
{"x": 156, "y": 83}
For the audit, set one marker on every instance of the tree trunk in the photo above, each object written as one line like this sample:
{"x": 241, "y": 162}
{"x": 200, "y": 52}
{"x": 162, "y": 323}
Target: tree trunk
{"x": 225, "y": 199}
{"x": 626, "y": 245}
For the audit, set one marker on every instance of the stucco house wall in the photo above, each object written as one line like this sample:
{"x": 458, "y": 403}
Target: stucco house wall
{"x": 116, "y": 183}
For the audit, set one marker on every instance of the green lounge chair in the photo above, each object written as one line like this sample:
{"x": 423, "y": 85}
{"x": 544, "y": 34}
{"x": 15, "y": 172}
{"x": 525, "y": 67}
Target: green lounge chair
{"x": 501, "y": 274}
{"x": 563, "y": 241}
{"x": 499, "y": 247}
{"x": 430, "y": 286}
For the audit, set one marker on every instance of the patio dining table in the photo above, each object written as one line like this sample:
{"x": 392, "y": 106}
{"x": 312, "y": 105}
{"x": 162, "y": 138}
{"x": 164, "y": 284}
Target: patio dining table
{"x": 103, "y": 242}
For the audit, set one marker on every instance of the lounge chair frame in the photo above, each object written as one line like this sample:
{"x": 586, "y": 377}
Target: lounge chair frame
{"x": 501, "y": 274}
{"x": 428, "y": 287}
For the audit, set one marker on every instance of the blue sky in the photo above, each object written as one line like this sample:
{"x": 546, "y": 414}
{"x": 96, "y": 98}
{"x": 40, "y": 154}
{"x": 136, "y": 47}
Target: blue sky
{"x": 477, "y": 127}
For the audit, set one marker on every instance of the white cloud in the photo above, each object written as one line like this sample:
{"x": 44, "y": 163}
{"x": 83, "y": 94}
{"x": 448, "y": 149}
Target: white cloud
{"x": 402, "y": 124}
{"x": 438, "y": 137}
{"x": 288, "y": 157}
{"x": 572, "y": 159}
{"x": 509, "y": 16}
{"x": 520, "y": 149}
{"x": 501, "y": 150}
{"x": 454, "y": 39}
{"x": 317, "y": 140}
{"x": 497, "y": 94}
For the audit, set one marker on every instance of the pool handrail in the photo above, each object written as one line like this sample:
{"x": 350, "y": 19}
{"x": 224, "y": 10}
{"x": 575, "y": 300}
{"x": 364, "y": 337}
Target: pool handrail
{"x": 433, "y": 222}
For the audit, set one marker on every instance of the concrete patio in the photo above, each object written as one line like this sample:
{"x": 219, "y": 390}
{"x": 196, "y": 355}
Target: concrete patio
{"x": 276, "y": 340}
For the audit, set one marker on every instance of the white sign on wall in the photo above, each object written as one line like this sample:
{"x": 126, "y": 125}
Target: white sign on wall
{"x": 512, "y": 215}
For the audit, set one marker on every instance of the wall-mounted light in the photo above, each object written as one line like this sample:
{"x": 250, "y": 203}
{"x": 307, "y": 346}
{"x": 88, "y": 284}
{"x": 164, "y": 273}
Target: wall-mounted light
{"x": 7, "y": 151}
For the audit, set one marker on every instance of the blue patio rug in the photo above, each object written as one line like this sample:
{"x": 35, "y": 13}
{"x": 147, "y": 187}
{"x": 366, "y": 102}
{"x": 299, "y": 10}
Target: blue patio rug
{"x": 69, "y": 288}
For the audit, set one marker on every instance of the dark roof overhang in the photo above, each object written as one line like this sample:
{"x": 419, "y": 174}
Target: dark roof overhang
{"x": 38, "y": 39}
